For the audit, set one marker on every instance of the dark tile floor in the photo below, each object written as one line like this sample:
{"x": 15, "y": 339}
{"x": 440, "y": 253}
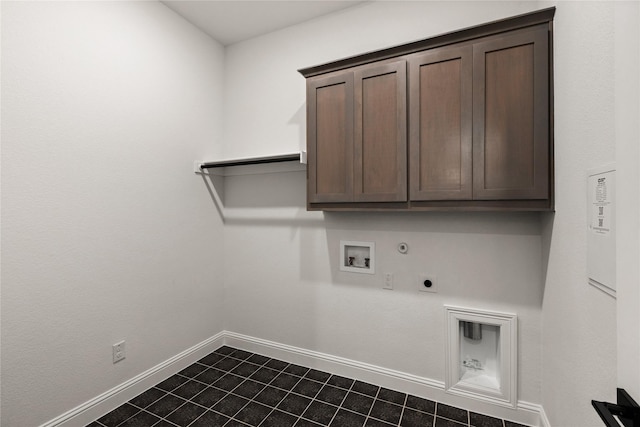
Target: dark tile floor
{"x": 231, "y": 387}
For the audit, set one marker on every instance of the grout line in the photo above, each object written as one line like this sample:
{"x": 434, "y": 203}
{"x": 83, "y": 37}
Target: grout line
{"x": 167, "y": 421}
{"x": 288, "y": 392}
{"x": 264, "y": 387}
{"x": 231, "y": 417}
{"x": 273, "y": 408}
{"x": 404, "y": 406}
{"x": 136, "y": 413}
{"x": 175, "y": 410}
{"x": 252, "y": 400}
{"x": 372, "y": 405}
{"x": 313, "y": 399}
{"x": 342, "y": 402}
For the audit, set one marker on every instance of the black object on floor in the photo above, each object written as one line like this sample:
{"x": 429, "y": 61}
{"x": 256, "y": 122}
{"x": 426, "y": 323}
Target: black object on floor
{"x": 232, "y": 387}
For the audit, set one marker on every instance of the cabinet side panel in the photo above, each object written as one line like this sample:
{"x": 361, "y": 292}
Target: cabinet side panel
{"x": 509, "y": 143}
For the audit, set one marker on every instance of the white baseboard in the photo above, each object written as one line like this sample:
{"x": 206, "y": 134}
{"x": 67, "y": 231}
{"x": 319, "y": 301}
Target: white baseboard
{"x": 544, "y": 421}
{"x": 525, "y": 413}
{"x": 333, "y": 364}
{"x": 100, "y": 405}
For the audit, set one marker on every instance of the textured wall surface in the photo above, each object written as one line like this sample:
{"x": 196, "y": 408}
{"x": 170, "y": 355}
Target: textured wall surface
{"x": 283, "y": 281}
{"x": 579, "y": 321}
{"x": 106, "y": 232}
{"x": 627, "y": 111}
{"x": 265, "y": 104}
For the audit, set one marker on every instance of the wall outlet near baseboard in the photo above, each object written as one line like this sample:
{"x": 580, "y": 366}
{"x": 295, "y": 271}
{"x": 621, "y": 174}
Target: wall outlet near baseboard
{"x": 118, "y": 352}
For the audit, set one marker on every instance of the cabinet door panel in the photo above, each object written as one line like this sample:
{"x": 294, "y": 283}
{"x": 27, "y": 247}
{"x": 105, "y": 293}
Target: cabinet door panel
{"x": 511, "y": 116}
{"x": 380, "y": 172}
{"x": 441, "y": 124}
{"x": 330, "y": 138}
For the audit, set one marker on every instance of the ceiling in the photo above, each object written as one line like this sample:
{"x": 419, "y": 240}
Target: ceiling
{"x": 233, "y": 21}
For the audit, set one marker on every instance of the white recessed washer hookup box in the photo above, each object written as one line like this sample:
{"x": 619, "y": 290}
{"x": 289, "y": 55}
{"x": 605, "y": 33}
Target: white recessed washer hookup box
{"x": 358, "y": 257}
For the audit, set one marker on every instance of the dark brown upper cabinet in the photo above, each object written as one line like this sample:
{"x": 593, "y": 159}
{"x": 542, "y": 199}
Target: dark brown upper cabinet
{"x": 356, "y": 135}
{"x": 330, "y": 138}
{"x": 462, "y": 121}
{"x": 511, "y": 116}
{"x": 441, "y": 124}
{"x": 380, "y": 146}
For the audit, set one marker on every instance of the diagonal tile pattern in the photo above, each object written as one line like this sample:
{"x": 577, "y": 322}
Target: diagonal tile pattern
{"x": 232, "y": 387}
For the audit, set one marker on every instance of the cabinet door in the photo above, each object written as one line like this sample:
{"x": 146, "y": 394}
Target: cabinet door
{"x": 511, "y": 116}
{"x": 441, "y": 124}
{"x": 380, "y": 149}
{"x": 330, "y": 138}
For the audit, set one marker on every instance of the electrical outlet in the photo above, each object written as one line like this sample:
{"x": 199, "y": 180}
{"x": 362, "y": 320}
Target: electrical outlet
{"x": 427, "y": 283}
{"x": 388, "y": 281}
{"x": 118, "y": 352}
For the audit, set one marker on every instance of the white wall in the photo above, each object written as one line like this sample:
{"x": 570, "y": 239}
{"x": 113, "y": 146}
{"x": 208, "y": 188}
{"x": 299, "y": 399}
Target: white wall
{"x": 283, "y": 259}
{"x": 579, "y": 321}
{"x": 106, "y": 232}
{"x": 282, "y": 273}
{"x": 265, "y": 109}
{"x": 627, "y": 107}
{"x": 284, "y": 284}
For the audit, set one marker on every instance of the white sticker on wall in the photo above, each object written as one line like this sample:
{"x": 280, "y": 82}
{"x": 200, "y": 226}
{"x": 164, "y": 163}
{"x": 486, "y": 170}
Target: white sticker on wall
{"x": 601, "y": 234}
{"x": 601, "y": 186}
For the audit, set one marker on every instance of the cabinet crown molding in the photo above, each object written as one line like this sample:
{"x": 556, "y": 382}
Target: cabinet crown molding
{"x": 491, "y": 28}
